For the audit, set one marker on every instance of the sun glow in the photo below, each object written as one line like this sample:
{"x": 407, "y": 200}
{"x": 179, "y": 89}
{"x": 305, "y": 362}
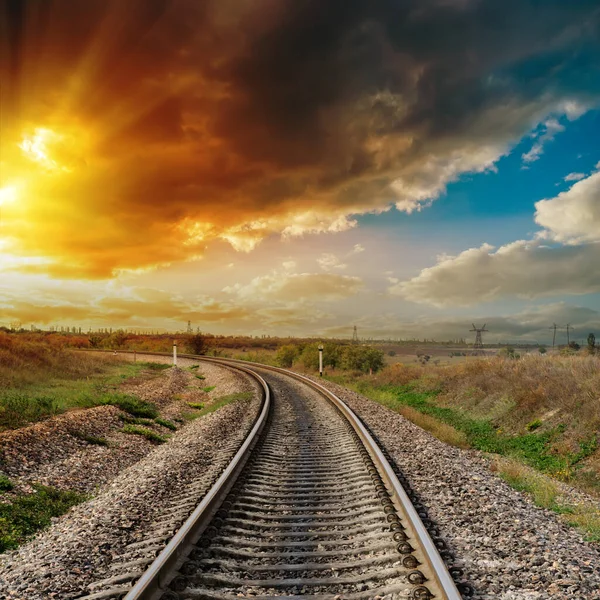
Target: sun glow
{"x": 8, "y": 194}
{"x": 38, "y": 146}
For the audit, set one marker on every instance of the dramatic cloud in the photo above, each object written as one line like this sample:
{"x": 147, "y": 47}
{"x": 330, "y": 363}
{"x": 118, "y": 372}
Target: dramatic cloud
{"x": 135, "y": 133}
{"x": 573, "y": 216}
{"x": 523, "y": 269}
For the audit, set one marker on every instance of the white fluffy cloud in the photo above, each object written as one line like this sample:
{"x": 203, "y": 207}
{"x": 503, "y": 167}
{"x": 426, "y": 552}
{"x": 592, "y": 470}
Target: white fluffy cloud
{"x": 524, "y": 269}
{"x": 328, "y": 262}
{"x": 298, "y": 287}
{"x": 549, "y": 129}
{"x": 574, "y": 176}
{"x": 573, "y": 216}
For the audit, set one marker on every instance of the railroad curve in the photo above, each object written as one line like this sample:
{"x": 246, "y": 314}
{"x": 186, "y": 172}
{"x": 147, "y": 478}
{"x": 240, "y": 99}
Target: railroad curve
{"x": 308, "y": 508}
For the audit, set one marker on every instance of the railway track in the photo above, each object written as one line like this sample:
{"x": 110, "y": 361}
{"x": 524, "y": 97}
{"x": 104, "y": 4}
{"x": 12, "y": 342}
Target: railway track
{"x": 308, "y": 508}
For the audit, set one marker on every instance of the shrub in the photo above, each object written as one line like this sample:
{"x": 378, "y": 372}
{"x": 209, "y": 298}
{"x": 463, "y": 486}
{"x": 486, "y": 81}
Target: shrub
{"x": 286, "y": 355}
{"x": 197, "y": 344}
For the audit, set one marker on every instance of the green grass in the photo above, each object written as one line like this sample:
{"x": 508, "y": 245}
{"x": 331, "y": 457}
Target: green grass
{"x": 193, "y": 367}
{"x": 202, "y": 410}
{"x": 166, "y": 423}
{"x": 41, "y": 400}
{"x": 200, "y": 377}
{"x": 90, "y": 439}
{"x": 209, "y": 388}
{"x": 534, "y": 449}
{"x": 6, "y": 485}
{"x": 135, "y": 420}
{"x": 153, "y": 366}
{"x": 147, "y": 433}
{"x": 29, "y": 513}
{"x": 545, "y": 493}
{"x": 132, "y": 405}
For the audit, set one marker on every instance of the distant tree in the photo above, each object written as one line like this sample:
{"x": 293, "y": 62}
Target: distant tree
{"x": 95, "y": 340}
{"x": 197, "y": 344}
{"x": 509, "y": 352}
{"x": 542, "y": 350}
{"x": 118, "y": 338}
{"x": 574, "y": 346}
{"x": 591, "y": 343}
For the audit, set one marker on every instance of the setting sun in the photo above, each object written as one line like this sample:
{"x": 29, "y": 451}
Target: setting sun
{"x": 8, "y": 194}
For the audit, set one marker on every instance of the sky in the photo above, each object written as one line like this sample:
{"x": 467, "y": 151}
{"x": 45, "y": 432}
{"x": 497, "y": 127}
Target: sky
{"x": 297, "y": 168}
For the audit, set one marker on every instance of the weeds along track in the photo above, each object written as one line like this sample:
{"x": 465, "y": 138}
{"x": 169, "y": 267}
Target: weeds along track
{"x": 308, "y": 508}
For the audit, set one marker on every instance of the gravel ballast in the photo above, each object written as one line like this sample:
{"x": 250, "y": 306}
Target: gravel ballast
{"x": 509, "y": 548}
{"x": 79, "y": 548}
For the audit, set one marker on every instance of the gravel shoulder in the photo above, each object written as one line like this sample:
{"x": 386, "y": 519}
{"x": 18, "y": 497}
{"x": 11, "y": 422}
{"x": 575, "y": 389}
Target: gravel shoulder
{"x": 509, "y": 548}
{"x": 79, "y": 548}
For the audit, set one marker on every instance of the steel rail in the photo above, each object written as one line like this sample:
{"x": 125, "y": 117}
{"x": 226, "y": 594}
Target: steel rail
{"x": 398, "y": 494}
{"x": 156, "y": 578}
{"x": 159, "y": 574}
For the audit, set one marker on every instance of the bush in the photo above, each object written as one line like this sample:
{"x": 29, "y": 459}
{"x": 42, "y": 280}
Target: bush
{"x": 286, "y": 355}
{"x": 509, "y": 352}
{"x": 362, "y": 358}
{"x": 197, "y": 344}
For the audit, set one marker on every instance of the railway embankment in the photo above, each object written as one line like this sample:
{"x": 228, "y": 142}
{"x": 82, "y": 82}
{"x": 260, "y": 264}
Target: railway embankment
{"x": 121, "y": 486}
{"x": 509, "y": 547}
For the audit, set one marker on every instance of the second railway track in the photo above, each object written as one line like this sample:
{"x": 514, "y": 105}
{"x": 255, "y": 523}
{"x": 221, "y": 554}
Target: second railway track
{"x": 310, "y": 508}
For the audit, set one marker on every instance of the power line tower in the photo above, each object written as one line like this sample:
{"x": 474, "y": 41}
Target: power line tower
{"x": 190, "y": 328}
{"x": 478, "y": 345}
{"x": 554, "y": 327}
{"x": 355, "y": 335}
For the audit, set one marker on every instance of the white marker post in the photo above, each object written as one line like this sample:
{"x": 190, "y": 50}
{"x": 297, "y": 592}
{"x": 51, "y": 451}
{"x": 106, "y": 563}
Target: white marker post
{"x": 175, "y": 354}
{"x": 321, "y": 360}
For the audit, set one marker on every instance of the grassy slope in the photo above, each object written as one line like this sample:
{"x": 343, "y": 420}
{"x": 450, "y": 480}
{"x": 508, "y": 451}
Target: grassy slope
{"x": 541, "y": 414}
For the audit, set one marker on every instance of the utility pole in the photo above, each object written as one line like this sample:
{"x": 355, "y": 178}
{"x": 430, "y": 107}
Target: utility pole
{"x": 355, "y": 335}
{"x": 568, "y": 327}
{"x": 175, "y": 353}
{"x": 554, "y": 326}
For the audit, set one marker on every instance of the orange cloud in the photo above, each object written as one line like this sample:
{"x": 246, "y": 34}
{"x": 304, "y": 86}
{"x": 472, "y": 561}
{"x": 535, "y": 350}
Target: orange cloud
{"x": 138, "y": 132}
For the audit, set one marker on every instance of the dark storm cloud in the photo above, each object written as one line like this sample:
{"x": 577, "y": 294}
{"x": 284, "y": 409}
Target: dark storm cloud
{"x": 233, "y": 112}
